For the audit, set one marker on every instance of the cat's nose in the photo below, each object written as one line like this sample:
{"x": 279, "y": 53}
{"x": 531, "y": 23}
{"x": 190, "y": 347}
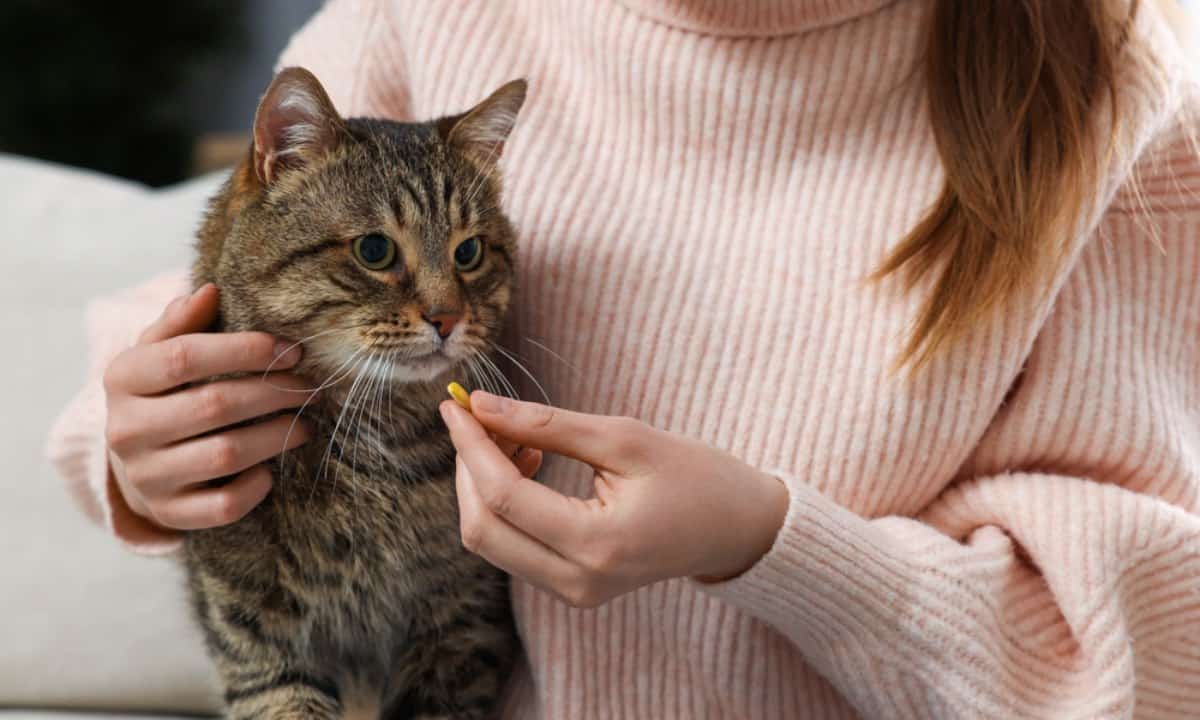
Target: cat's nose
{"x": 442, "y": 320}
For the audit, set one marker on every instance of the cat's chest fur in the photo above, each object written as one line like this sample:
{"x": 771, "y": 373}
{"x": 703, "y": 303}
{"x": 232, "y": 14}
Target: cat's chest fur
{"x": 358, "y": 537}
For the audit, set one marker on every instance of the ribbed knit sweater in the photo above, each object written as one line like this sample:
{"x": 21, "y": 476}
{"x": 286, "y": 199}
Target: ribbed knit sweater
{"x": 700, "y": 187}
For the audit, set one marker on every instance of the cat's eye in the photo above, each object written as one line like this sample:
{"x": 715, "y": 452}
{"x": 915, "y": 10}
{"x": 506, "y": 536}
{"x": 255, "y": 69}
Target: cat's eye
{"x": 375, "y": 251}
{"x": 469, "y": 254}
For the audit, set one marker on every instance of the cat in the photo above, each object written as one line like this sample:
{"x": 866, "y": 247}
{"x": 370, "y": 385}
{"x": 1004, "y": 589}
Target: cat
{"x": 383, "y": 247}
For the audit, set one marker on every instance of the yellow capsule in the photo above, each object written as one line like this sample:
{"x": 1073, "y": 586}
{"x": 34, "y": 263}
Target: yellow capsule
{"x": 460, "y": 395}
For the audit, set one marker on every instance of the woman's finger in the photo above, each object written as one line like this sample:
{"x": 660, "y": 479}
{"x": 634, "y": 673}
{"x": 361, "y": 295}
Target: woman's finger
{"x": 506, "y": 547}
{"x": 555, "y": 519}
{"x": 161, "y": 366}
{"x": 212, "y": 507}
{"x": 187, "y": 314}
{"x": 592, "y": 439}
{"x": 226, "y": 453}
{"x": 508, "y": 447}
{"x": 528, "y": 461}
{"x": 196, "y": 410}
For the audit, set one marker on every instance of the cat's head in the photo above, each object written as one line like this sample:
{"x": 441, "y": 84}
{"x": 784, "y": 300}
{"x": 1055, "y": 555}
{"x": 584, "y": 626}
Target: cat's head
{"x": 369, "y": 240}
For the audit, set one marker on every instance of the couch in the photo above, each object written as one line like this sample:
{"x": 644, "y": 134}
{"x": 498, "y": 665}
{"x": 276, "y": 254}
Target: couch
{"x": 85, "y": 626}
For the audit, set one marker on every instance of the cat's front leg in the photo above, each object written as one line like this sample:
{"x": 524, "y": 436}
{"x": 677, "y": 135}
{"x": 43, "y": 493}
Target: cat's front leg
{"x": 250, "y": 629}
{"x": 264, "y": 681}
{"x": 280, "y": 693}
{"x": 457, "y": 670}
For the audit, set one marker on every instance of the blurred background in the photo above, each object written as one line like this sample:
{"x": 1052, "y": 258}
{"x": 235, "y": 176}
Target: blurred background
{"x": 150, "y": 91}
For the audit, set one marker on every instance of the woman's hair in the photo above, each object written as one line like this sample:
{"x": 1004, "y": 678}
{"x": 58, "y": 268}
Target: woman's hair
{"x": 1022, "y": 97}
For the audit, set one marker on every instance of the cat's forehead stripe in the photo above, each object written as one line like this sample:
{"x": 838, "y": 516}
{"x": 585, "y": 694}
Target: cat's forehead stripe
{"x": 428, "y": 184}
{"x": 412, "y": 193}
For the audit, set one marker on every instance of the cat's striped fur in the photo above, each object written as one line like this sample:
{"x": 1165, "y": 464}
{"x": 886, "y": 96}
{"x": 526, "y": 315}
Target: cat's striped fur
{"x": 347, "y": 592}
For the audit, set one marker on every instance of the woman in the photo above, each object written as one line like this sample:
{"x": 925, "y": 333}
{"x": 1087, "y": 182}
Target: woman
{"x": 878, "y": 328}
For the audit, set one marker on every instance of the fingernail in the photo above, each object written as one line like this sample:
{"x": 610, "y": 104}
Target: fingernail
{"x": 287, "y": 353}
{"x": 489, "y": 403}
{"x": 446, "y": 409}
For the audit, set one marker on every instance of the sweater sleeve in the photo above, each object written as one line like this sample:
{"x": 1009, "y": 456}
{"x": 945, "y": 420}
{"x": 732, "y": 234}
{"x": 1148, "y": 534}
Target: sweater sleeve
{"x": 76, "y": 445}
{"x": 1058, "y": 575}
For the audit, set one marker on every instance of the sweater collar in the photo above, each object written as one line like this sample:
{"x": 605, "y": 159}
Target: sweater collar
{"x": 756, "y": 18}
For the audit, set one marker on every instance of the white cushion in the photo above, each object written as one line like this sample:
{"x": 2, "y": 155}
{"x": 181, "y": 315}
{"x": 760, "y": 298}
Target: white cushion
{"x": 26, "y": 714}
{"x": 83, "y": 623}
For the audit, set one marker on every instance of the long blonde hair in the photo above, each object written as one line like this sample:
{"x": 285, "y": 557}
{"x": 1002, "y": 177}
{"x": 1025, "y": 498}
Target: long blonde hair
{"x": 1017, "y": 96}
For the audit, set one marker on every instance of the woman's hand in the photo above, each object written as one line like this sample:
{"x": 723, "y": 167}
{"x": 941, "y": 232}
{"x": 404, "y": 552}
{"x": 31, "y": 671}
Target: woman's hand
{"x": 664, "y": 506}
{"x": 162, "y": 448}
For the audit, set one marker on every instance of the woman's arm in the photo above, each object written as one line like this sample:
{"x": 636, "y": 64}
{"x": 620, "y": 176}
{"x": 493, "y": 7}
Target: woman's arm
{"x": 1059, "y": 576}
{"x": 76, "y": 444}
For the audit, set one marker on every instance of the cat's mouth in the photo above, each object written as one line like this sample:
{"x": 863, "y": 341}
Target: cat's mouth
{"x": 391, "y": 358}
{"x": 421, "y": 368}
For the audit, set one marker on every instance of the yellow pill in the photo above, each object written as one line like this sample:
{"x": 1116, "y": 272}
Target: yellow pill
{"x": 460, "y": 395}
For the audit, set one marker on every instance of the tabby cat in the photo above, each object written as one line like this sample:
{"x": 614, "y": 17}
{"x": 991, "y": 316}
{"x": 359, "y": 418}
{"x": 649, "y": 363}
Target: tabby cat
{"x": 381, "y": 245}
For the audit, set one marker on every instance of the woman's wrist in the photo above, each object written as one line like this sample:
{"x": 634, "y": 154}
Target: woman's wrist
{"x": 759, "y": 533}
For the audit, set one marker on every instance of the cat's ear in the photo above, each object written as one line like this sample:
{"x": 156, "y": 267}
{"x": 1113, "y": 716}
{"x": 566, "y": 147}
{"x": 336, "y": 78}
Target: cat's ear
{"x": 482, "y": 130}
{"x": 295, "y": 123}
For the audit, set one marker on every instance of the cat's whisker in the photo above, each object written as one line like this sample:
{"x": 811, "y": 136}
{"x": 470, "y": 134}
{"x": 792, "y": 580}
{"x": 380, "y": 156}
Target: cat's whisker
{"x": 486, "y": 374}
{"x": 391, "y": 396}
{"x": 313, "y": 394}
{"x": 353, "y": 421}
{"x": 356, "y": 417}
{"x": 512, "y": 388}
{"x": 381, "y": 394}
{"x": 341, "y": 415}
{"x": 350, "y": 433}
{"x": 481, "y": 176}
{"x": 367, "y": 372}
{"x": 478, "y": 380}
{"x": 374, "y": 417}
{"x": 289, "y": 348}
{"x": 483, "y": 379}
{"x": 487, "y": 210}
{"x": 472, "y": 381}
{"x": 335, "y": 381}
{"x": 522, "y": 368}
{"x": 571, "y": 366}
{"x": 505, "y": 385}
{"x": 367, "y": 411}
{"x": 500, "y": 384}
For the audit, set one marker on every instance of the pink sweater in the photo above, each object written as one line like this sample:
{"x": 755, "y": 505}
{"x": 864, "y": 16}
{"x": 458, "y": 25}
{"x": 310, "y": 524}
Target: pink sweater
{"x": 699, "y": 187}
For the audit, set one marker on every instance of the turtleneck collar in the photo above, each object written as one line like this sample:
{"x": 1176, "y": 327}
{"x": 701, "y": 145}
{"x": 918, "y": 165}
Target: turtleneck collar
{"x": 757, "y": 18}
